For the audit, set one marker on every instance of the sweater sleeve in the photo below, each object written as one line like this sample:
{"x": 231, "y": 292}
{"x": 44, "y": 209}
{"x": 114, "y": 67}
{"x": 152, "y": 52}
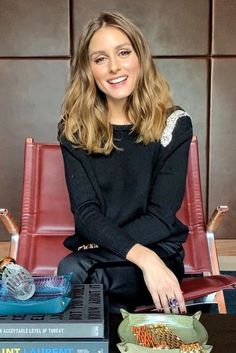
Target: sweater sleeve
{"x": 87, "y": 207}
{"x": 168, "y": 186}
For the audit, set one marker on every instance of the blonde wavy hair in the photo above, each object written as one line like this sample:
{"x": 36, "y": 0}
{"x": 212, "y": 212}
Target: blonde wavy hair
{"x": 84, "y": 111}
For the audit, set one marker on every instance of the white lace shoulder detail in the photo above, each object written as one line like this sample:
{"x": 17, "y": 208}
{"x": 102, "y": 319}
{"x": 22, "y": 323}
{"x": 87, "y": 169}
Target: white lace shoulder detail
{"x": 172, "y": 119}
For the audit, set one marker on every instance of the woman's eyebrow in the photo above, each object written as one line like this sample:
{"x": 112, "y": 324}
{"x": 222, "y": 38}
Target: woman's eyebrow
{"x": 99, "y": 52}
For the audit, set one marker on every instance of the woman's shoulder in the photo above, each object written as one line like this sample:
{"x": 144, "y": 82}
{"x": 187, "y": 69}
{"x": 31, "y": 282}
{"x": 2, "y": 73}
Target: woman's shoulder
{"x": 178, "y": 122}
{"x": 69, "y": 146}
{"x": 61, "y": 135}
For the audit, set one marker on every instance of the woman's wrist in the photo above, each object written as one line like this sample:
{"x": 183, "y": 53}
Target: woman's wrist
{"x": 140, "y": 255}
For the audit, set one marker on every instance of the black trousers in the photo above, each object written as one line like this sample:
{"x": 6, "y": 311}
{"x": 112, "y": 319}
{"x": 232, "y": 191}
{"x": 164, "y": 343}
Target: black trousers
{"x": 122, "y": 280}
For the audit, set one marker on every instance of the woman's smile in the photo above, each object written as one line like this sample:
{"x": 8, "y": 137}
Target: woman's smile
{"x": 118, "y": 80}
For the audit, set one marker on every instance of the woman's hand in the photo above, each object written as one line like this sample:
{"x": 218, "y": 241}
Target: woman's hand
{"x": 160, "y": 281}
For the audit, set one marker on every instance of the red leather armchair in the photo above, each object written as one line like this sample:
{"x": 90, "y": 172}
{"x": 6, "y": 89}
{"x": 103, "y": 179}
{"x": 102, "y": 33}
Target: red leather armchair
{"x": 46, "y": 220}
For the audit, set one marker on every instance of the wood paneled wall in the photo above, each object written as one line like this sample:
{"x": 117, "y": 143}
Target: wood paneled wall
{"x": 193, "y": 44}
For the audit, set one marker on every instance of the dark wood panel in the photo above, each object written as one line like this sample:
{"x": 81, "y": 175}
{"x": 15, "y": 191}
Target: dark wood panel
{"x": 224, "y": 27}
{"x": 223, "y": 142}
{"x": 172, "y": 27}
{"x": 34, "y": 28}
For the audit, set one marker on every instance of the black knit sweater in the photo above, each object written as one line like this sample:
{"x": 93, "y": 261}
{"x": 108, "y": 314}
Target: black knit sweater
{"x": 132, "y": 195}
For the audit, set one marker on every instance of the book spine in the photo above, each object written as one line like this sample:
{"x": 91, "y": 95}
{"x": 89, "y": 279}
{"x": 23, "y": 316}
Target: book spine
{"x": 68, "y": 346}
{"x": 52, "y": 330}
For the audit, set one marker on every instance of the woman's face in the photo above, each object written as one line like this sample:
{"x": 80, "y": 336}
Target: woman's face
{"x": 114, "y": 63}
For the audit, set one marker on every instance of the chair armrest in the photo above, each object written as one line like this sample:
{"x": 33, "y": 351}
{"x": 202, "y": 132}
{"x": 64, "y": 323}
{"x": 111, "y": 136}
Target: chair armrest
{"x": 13, "y": 229}
{"x": 8, "y": 221}
{"x": 216, "y": 218}
{"x": 213, "y": 224}
{"x": 198, "y": 287}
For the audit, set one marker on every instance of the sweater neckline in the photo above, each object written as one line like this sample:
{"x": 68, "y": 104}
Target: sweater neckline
{"x": 122, "y": 127}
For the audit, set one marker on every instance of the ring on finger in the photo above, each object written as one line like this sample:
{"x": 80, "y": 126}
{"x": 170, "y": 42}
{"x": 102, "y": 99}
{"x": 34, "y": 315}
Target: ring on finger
{"x": 173, "y": 303}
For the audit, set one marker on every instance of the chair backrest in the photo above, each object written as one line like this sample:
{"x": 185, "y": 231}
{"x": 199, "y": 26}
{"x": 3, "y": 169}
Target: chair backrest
{"x": 46, "y": 218}
{"x": 197, "y": 258}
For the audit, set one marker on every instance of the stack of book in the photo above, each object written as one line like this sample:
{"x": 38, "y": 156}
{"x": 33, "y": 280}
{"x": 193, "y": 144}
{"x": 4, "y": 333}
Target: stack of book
{"x": 81, "y": 328}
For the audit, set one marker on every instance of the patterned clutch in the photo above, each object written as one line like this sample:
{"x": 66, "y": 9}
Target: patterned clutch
{"x": 52, "y": 295}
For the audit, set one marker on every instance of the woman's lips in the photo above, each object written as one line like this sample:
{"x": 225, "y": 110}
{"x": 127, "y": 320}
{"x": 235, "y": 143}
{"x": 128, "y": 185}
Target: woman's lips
{"x": 117, "y": 80}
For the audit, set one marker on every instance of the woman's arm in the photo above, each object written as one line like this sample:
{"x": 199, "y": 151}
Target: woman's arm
{"x": 160, "y": 281}
{"x": 159, "y": 221}
{"x": 87, "y": 207}
{"x": 167, "y": 191}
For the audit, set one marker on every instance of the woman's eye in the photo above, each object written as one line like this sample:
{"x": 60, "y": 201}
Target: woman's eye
{"x": 100, "y": 59}
{"x": 124, "y": 52}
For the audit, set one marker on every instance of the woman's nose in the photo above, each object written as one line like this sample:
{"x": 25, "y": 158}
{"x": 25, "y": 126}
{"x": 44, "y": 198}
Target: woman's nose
{"x": 114, "y": 64}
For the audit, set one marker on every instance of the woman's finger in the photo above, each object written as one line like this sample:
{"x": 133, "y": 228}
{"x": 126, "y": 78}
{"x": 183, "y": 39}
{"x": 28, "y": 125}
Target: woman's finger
{"x": 164, "y": 303}
{"x": 173, "y": 303}
{"x": 157, "y": 303}
{"x": 177, "y": 303}
{"x": 180, "y": 299}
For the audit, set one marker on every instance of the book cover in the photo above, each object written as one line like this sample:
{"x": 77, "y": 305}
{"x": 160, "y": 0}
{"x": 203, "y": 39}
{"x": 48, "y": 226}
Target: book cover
{"x": 99, "y": 345}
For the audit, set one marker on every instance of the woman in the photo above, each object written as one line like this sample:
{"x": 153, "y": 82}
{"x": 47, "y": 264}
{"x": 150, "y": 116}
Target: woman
{"x": 125, "y": 150}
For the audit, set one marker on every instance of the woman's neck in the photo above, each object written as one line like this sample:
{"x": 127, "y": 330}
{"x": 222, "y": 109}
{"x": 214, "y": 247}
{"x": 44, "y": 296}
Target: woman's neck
{"x": 118, "y": 120}
{"x": 116, "y": 114}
